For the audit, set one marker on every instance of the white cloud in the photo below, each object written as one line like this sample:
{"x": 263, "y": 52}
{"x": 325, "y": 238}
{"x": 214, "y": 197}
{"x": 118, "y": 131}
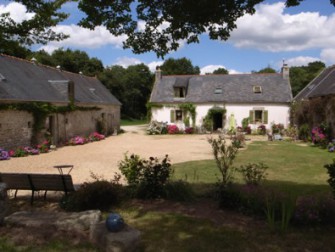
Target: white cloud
{"x": 299, "y": 61}
{"x": 211, "y": 68}
{"x": 18, "y": 12}
{"x": 86, "y": 38}
{"x": 48, "y": 48}
{"x": 126, "y": 61}
{"x": 328, "y": 56}
{"x": 152, "y": 65}
{"x": 270, "y": 29}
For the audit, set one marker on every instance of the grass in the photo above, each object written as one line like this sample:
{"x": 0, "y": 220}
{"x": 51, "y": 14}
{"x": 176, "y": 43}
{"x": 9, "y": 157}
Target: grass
{"x": 176, "y": 232}
{"x": 129, "y": 122}
{"x": 293, "y": 167}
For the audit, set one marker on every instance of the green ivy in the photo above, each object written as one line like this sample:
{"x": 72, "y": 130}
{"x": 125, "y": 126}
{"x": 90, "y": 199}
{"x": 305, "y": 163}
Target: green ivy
{"x": 191, "y": 108}
{"x": 208, "y": 120}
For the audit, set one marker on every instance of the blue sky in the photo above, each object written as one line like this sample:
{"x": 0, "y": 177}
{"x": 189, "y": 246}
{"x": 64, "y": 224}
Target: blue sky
{"x": 298, "y": 35}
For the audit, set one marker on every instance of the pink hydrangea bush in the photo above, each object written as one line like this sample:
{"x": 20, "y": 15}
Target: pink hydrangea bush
{"x": 95, "y": 136}
{"x": 173, "y": 129}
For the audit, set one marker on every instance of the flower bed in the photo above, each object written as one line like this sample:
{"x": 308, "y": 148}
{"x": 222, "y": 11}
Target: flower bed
{"x": 79, "y": 140}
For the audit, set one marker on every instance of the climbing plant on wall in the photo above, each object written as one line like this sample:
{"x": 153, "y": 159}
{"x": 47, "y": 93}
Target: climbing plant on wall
{"x": 208, "y": 120}
{"x": 189, "y": 108}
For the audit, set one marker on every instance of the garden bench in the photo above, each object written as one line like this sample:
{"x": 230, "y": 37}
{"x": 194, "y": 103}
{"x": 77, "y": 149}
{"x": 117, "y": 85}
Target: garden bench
{"x": 37, "y": 182}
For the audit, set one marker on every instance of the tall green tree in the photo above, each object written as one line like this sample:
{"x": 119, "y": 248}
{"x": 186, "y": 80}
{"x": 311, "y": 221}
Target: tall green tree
{"x": 132, "y": 86}
{"x": 150, "y": 25}
{"x": 300, "y": 76}
{"x": 77, "y": 61}
{"x": 179, "y": 66}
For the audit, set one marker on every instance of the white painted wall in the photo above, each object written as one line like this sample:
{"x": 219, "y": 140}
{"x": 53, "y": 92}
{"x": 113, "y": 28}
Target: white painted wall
{"x": 276, "y": 113}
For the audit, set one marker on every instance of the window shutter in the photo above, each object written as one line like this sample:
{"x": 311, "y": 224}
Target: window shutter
{"x": 265, "y": 116}
{"x": 172, "y": 116}
{"x": 252, "y": 116}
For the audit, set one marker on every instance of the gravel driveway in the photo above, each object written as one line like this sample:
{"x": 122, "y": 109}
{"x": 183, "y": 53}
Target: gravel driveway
{"x": 102, "y": 157}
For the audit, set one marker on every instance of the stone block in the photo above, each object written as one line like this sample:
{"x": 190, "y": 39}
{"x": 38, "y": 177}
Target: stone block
{"x": 127, "y": 239}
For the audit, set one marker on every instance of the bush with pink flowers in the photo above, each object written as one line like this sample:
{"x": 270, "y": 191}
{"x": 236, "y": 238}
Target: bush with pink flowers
{"x": 173, "y": 129}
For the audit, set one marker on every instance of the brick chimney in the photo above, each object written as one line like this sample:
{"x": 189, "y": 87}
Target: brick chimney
{"x": 285, "y": 70}
{"x": 158, "y": 74}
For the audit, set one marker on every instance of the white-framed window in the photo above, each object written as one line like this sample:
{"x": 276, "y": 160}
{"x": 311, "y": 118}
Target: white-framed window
{"x": 179, "y": 92}
{"x": 176, "y": 115}
{"x": 258, "y": 116}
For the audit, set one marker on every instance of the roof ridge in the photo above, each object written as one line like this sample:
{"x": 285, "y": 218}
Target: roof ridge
{"x": 204, "y": 75}
{"x": 46, "y": 66}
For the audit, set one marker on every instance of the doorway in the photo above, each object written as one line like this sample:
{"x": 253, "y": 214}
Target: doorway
{"x": 217, "y": 121}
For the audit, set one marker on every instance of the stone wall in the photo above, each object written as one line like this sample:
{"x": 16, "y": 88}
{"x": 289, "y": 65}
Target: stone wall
{"x": 15, "y": 128}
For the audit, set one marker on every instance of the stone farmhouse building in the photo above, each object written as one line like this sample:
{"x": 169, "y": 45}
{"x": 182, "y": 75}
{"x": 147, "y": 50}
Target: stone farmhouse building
{"x": 263, "y": 98}
{"x": 40, "y": 103}
{"x": 316, "y": 102}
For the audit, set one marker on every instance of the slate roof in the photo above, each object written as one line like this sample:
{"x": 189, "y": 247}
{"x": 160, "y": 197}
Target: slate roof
{"x": 236, "y": 88}
{"x": 322, "y": 85}
{"x": 22, "y": 80}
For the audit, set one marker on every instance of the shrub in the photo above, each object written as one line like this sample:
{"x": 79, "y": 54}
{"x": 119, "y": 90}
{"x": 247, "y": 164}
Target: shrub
{"x": 253, "y": 174}
{"x": 189, "y": 130}
{"x": 179, "y": 191}
{"x": 147, "y": 178}
{"x": 318, "y": 137}
{"x": 261, "y": 130}
{"x": 331, "y": 172}
{"x": 4, "y": 155}
{"x": 245, "y": 122}
{"x": 19, "y": 152}
{"x": 173, "y": 129}
{"x": 43, "y": 147}
{"x": 77, "y": 140}
{"x": 224, "y": 156}
{"x": 95, "y": 136}
{"x": 304, "y": 132}
{"x": 277, "y": 128}
{"x": 99, "y": 194}
{"x": 315, "y": 210}
{"x": 132, "y": 168}
{"x": 238, "y": 140}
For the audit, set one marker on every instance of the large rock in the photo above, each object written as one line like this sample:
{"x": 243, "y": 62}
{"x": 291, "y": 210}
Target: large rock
{"x": 81, "y": 221}
{"x": 127, "y": 239}
{"x": 3, "y": 202}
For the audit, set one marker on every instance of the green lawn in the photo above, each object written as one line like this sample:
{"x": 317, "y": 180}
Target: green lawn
{"x": 292, "y": 166}
{"x": 133, "y": 122}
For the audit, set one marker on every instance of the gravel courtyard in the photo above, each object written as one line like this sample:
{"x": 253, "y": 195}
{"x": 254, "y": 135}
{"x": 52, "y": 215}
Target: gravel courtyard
{"x": 102, "y": 157}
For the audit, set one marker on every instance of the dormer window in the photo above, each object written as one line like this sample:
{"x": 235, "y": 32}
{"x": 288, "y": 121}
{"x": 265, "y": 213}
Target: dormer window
{"x": 179, "y": 92}
{"x": 218, "y": 91}
{"x": 257, "y": 89}
{"x": 2, "y": 78}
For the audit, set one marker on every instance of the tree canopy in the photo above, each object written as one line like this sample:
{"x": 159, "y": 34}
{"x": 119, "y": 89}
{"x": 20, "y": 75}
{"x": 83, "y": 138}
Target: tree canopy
{"x": 179, "y": 66}
{"x": 132, "y": 86}
{"x": 150, "y": 25}
{"x": 36, "y": 30}
{"x": 300, "y": 76}
{"x": 265, "y": 70}
{"x": 221, "y": 70}
{"x": 73, "y": 61}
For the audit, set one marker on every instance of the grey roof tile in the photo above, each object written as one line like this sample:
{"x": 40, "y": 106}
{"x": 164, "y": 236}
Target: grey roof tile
{"x": 26, "y": 81}
{"x": 322, "y": 85}
{"x": 235, "y": 89}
